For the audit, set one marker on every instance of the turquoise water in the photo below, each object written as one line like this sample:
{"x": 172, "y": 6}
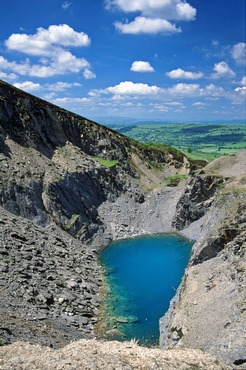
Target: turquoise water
{"x": 141, "y": 275}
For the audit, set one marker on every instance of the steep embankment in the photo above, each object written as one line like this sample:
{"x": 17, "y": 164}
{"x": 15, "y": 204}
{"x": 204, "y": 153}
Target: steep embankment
{"x": 59, "y": 167}
{"x": 68, "y": 186}
{"x": 209, "y": 309}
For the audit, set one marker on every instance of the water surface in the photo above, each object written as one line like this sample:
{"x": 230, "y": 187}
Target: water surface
{"x": 141, "y": 276}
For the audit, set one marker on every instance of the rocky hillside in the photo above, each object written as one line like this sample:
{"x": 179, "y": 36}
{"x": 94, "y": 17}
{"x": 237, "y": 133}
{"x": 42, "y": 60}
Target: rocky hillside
{"x": 58, "y": 167}
{"x": 68, "y": 187}
{"x": 209, "y": 309}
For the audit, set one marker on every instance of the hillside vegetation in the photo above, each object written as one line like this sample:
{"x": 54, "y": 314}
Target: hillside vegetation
{"x": 198, "y": 141}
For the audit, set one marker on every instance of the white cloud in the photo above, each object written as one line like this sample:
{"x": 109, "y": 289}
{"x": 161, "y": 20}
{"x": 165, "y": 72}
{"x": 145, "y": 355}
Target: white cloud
{"x": 160, "y": 107}
{"x": 51, "y": 45}
{"x": 238, "y": 53}
{"x": 28, "y": 86}
{"x": 215, "y": 42}
{"x": 142, "y": 25}
{"x": 199, "y": 105}
{"x": 66, "y": 5}
{"x": 139, "y": 66}
{"x": 8, "y": 77}
{"x": 21, "y": 68}
{"x": 63, "y": 62}
{"x": 241, "y": 89}
{"x": 173, "y": 103}
{"x": 50, "y": 96}
{"x": 167, "y": 9}
{"x": 88, "y": 75}
{"x": 46, "y": 41}
{"x": 222, "y": 70}
{"x": 213, "y": 91}
{"x": 61, "y": 86}
{"x": 71, "y": 102}
{"x": 184, "y": 89}
{"x": 243, "y": 81}
{"x": 154, "y": 15}
{"x": 180, "y": 73}
{"x": 130, "y": 88}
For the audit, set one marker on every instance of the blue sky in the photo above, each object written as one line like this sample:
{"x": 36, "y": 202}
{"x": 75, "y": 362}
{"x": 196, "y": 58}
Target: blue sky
{"x": 146, "y": 59}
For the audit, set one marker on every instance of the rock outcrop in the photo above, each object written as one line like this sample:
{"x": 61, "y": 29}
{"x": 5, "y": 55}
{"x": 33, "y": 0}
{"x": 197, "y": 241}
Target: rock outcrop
{"x": 209, "y": 309}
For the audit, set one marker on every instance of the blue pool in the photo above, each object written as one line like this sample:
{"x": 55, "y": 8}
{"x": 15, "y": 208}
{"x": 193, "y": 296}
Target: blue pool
{"x": 141, "y": 275}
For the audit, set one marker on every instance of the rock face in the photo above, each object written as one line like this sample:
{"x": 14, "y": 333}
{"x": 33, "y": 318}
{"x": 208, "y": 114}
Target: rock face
{"x": 209, "y": 309}
{"x": 69, "y": 186}
{"x": 57, "y": 167}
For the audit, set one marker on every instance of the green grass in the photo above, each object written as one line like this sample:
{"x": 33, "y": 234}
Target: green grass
{"x": 174, "y": 180}
{"x": 200, "y": 156}
{"x": 105, "y": 162}
{"x": 205, "y": 141}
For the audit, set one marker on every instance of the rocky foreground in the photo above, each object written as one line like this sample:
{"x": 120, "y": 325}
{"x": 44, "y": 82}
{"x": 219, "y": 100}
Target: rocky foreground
{"x": 91, "y": 354}
{"x": 68, "y": 187}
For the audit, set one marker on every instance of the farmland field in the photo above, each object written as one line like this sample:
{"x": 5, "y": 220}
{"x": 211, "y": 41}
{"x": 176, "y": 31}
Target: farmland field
{"x": 198, "y": 140}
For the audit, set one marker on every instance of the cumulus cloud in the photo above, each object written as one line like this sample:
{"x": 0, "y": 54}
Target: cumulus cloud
{"x": 19, "y": 68}
{"x": 60, "y": 64}
{"x": 154, "y": 15}
{"x": 222, "y": 70}
{"x": 167, "y": 9}
{"x": 173, "y": 103}
{"x": 238, "y": 53}
{"x": 213, "y": 91}
{"x": 46, "y": 41}
{"x": 61, "y": 86}
{"x": 28, "y": 86}
{"x": 8, "y": 76}
{"x": 160, "y": 107}
{"x": 142, "y": 90}
{"x": 243, "y": 81}
{"x": 51, "y": 45}
{"x": 199, "y": 104}
{"x": 184, "y": 89}
{"x": 142, "y": 25}
{"x": 88, "y": 75}
{"x": 180, "y": 73}
{"x": 70, "y": 101}
{"x": 241, "y": 89}
{"x": 130, "y": 88}
{"x": 58, "y": 86}
{"x": 140, "y": 66}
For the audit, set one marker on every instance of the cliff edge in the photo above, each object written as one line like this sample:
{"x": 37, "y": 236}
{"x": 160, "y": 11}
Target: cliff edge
{"x": 209, "y": 309}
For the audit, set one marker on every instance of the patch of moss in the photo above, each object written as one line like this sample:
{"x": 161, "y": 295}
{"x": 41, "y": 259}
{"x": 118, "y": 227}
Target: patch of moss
{"x": 105, "y": 162}
{"x": 71, "y": 222}
{"x": 174, "y": 180}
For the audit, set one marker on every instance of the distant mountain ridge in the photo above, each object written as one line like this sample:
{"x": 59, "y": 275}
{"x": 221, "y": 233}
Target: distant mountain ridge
{"x": 111, "y": 121}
